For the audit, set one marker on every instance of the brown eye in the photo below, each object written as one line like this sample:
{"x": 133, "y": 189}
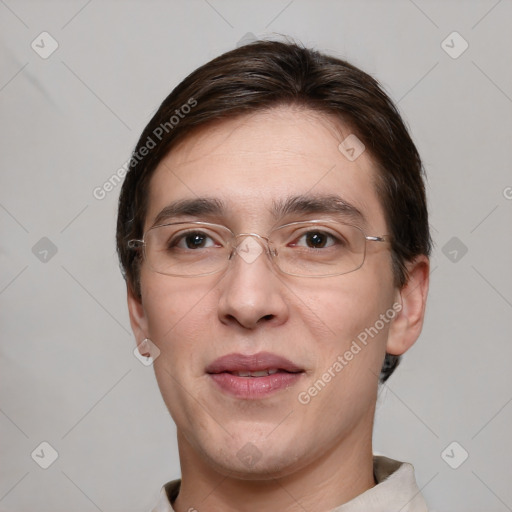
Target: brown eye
{"x": 193, "y": 240}
{"x": 316, "y": 240}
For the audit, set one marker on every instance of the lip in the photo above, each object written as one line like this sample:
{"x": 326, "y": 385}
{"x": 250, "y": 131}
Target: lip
{"x": 253, "y": 363}
{"x": 253, "y": 387}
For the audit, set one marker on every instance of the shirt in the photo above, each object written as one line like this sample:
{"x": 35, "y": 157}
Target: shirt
{"x": 396, "y": 489}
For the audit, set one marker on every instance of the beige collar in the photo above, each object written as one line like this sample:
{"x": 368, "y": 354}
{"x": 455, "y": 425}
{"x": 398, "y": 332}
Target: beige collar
{"x": 396, "y": 489}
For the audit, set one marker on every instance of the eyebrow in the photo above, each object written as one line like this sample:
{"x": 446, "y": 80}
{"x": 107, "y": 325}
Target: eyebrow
{"x": 325, "y": 204}
{"x": 301, "y": 204}
{"x": 198, "y": 207}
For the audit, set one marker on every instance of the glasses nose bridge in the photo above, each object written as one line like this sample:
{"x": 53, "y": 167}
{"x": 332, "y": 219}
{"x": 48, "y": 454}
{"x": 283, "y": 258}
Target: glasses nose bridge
{"x": 255, "y": 235}
{"x": 263, "y": 241}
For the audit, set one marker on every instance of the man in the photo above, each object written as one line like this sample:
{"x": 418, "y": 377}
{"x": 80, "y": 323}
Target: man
{"x": 274, "y": 236}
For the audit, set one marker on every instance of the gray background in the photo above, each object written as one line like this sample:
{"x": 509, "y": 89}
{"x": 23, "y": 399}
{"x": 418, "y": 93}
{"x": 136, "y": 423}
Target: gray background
{"x": 68, "y": 373}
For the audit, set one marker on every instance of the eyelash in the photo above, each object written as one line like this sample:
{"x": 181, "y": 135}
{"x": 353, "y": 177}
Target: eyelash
{"x": 181, "y": 238}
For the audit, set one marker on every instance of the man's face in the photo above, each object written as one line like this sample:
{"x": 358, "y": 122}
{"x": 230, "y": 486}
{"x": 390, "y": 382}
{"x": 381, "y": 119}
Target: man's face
{"x": 250, "y": 164}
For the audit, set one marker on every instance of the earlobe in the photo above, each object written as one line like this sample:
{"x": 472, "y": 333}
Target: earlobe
{"x": 144, "y": 347}
{"x": 138, "y": 319}
{"x": 407, "y": 325}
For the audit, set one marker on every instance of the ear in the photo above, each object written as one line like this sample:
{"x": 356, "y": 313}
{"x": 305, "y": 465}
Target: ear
{"x": 407, "y": 325}
{"x": 138, "y": 319}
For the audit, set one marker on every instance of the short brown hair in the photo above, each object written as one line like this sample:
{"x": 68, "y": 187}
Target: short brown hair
{"x": 266, "y": 74}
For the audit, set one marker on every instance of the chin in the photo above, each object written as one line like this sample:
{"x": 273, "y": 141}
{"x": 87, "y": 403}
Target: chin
{"x": 252, "y": 463}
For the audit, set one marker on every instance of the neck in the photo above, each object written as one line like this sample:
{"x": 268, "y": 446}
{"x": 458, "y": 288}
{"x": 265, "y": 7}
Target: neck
{"x": 334, "y": 478}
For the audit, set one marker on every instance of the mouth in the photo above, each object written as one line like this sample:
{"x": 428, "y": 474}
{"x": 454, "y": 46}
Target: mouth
{"x": 260, "y": 373}
{"x": 255, "y": 376}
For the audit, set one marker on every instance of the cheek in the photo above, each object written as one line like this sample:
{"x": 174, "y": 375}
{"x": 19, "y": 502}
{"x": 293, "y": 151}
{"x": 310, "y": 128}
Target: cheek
{"x": 179, "y": 323}
{"x": 177, "y": 310}
{"x": 347, "y": 304}
{"x": 350, "y": 352}
{"x": 344, "y": 318}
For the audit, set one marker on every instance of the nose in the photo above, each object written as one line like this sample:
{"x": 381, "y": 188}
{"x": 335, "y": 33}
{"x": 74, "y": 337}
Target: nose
{"x": 252, "y": 292}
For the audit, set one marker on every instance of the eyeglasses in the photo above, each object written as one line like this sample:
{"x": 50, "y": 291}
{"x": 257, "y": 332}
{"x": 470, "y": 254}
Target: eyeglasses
{"x": 316, "y": 248}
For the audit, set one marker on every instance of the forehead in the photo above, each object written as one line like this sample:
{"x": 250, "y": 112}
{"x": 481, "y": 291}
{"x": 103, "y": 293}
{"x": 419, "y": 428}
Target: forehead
{"x": 253, "y": 162}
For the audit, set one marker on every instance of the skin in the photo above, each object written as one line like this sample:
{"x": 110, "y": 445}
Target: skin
{"x": 311, "y": 457}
